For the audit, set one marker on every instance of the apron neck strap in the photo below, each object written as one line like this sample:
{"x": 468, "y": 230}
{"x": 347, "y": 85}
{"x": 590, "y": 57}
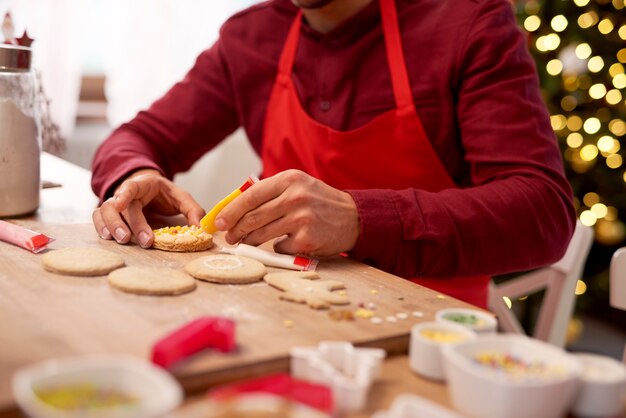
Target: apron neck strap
{"x": 393, "y": 45}
{"x": 285, "y": 65}
{"x": 395, "y": 55}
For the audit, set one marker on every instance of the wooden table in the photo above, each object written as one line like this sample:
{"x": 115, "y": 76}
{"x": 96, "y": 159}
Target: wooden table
{"x": 53, "y": 315}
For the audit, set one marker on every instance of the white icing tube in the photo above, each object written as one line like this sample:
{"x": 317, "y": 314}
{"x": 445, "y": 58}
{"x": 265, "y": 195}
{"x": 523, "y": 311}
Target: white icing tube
{"x": 270, "y": 258}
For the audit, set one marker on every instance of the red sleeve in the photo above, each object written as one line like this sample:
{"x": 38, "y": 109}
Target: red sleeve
{"x": 518, "y": 213}
{"x": 190, "y": 119}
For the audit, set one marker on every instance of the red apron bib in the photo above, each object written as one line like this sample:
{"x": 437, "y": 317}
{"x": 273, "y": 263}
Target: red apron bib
{"x": 391, "y": 151}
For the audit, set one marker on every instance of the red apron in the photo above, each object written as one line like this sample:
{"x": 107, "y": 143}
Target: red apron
{"x": 391, "y": 151}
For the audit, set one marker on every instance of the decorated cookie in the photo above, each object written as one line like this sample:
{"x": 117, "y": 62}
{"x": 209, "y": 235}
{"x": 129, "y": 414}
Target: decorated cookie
{"x": 182, "y": 239}
{"x": 82, "y": 261}
{"x": 226, "y": 268}
{"x": 151, "y": 281}
{"x": 305, "y": 287}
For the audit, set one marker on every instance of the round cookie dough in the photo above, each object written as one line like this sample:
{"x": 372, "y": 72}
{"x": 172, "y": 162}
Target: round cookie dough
{"x": 82, "y": 261}
{"x": 153, "y": 281}
{"x": 182, "y": 239}
{"x": 226, "y": 268}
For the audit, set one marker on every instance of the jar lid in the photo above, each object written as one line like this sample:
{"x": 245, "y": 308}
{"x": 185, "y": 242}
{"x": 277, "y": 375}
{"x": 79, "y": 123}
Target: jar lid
{"x": 14, "y": 57}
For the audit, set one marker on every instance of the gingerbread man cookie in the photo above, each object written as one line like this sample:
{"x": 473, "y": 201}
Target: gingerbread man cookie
{"x": 305, "y": 287}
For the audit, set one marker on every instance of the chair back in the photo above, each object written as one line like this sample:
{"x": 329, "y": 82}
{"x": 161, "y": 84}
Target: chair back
{"x": 617, "y": 289}
{"x": 559, "y": 281}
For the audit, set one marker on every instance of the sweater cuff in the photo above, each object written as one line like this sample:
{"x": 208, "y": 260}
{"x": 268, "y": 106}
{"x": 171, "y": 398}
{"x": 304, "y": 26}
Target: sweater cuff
{"x": 381, "y": 228}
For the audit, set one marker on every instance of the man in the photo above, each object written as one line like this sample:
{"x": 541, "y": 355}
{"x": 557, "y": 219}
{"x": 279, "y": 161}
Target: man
{"x": 409, "y": 134}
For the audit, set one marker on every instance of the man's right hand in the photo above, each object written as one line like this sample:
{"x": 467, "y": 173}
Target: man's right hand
{"x": 122, "y": 215}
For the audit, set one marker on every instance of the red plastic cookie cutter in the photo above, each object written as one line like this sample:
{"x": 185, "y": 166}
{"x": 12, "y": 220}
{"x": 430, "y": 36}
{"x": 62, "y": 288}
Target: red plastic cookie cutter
{"x": 207, "y": 332}
{"x": 284, "y": 385}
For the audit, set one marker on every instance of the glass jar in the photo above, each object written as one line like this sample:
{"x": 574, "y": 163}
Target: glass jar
{"x": 20, "y": 134}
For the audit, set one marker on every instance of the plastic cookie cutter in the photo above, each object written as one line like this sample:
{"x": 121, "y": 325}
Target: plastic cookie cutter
{"x": 207, "y": 332}
{"x": 347, "y": 370}
{"x": 411, "y": 406}
{"x": 282, "y": 385}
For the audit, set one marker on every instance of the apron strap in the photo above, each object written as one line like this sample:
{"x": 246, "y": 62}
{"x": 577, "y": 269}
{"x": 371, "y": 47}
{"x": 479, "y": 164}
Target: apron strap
{"x": 287, "y": 57}
{"x": 395, "y": 55}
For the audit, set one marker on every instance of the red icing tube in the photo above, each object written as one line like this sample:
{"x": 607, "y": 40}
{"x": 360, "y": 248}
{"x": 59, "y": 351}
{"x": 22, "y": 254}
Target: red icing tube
{"x": 207, "y": 332}
{"x": 22, "y": 237}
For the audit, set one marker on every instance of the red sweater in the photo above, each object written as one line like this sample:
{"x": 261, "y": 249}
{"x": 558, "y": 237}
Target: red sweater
{"x": 476, "y": 92}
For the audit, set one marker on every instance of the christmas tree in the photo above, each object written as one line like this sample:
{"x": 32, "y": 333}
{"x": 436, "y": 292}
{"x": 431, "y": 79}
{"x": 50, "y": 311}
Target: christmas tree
{"x": 579, "y": 47}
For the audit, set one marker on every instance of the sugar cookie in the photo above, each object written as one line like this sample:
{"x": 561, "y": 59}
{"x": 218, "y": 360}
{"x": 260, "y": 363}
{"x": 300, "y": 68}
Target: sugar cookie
{"x": 305, "y": 287}
{"x": 81, "y": 261}
{"x": 226, "y": 268}
{"x": 157, "y": 281}
{"x": 182, "y": 239}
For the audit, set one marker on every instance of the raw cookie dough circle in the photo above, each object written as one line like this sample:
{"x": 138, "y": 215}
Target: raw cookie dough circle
{"x": 182, "y": 239}
{"x": 82, "y": 261}
{"x": 226, "y": 268}
{"x": 156, "y": 281}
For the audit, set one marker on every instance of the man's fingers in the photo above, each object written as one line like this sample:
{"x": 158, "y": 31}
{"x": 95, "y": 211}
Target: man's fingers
{"x": 258, "y": 194}
{"x": 134, "y": 189}
{"x": 138, "y": 225}
{"x": 114, "y": 223}
{"x": 188, "y": 206}
{"x": 98, "y": 223}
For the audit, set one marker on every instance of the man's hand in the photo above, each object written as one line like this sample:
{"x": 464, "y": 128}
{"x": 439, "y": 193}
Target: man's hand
{"x": 122, "y": 215}
{"x": 311, "y": 217}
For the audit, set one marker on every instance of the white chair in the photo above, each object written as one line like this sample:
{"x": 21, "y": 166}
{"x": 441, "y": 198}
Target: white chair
{"x": 617, "y": 287}
{"x": 559, "y": 281}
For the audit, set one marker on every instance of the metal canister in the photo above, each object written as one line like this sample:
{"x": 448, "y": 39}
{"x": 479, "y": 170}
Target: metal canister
{"x": 20, "y": 133}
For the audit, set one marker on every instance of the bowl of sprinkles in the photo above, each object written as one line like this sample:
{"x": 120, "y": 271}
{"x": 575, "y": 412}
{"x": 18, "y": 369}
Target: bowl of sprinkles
{"x": 427, "y": 339}
{"x": 476, "y": 320}
{"x": 95, "y": 387}
{"x": 511, "y": 376}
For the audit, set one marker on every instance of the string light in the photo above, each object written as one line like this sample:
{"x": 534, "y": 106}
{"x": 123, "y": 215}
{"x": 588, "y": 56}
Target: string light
{"x": 619, "y": 81}
{"x": 554, "y": 67}
{"x": 597, "y": 91}
{"x": 583, "y": 51}
{"x": 613, "y": 97}
{"x": 592, "y": 125}
{"x": 595, "y": 64}
{"x": 614, "y": 161}
{"x": 559, "y": 23}
{"x": 617, "y": 127}
{"x": 574, "y": 123}
{"x": 532, "y": 23}
{"x": 590, "y": 199}
{"x": 589, "y": 152}
{"x": 588, "y": 218}
{"x": 574, "y": 140}
{"x": 585, "y": 83}
{"x": 605, "y": 26}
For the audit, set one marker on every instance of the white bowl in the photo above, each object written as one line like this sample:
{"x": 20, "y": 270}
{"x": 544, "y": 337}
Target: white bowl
{"x": 427, "y": 339}
{"x": 483, "y": 391}
{"x": 153, "y": 391}
{"x": 603, "y": 387}
{"x": 413, "y": 406}
{"x": 479, "y": 321}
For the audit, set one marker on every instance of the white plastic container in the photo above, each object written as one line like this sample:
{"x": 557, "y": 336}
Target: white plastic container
{"x": 427, "y": 339}
{"x": 154, "y": 391}
{"x": 603, "y": 387}
{"x": 413, "y": 406}
{"x": 474, "y": 319}
{"x": 545, "y": 388}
